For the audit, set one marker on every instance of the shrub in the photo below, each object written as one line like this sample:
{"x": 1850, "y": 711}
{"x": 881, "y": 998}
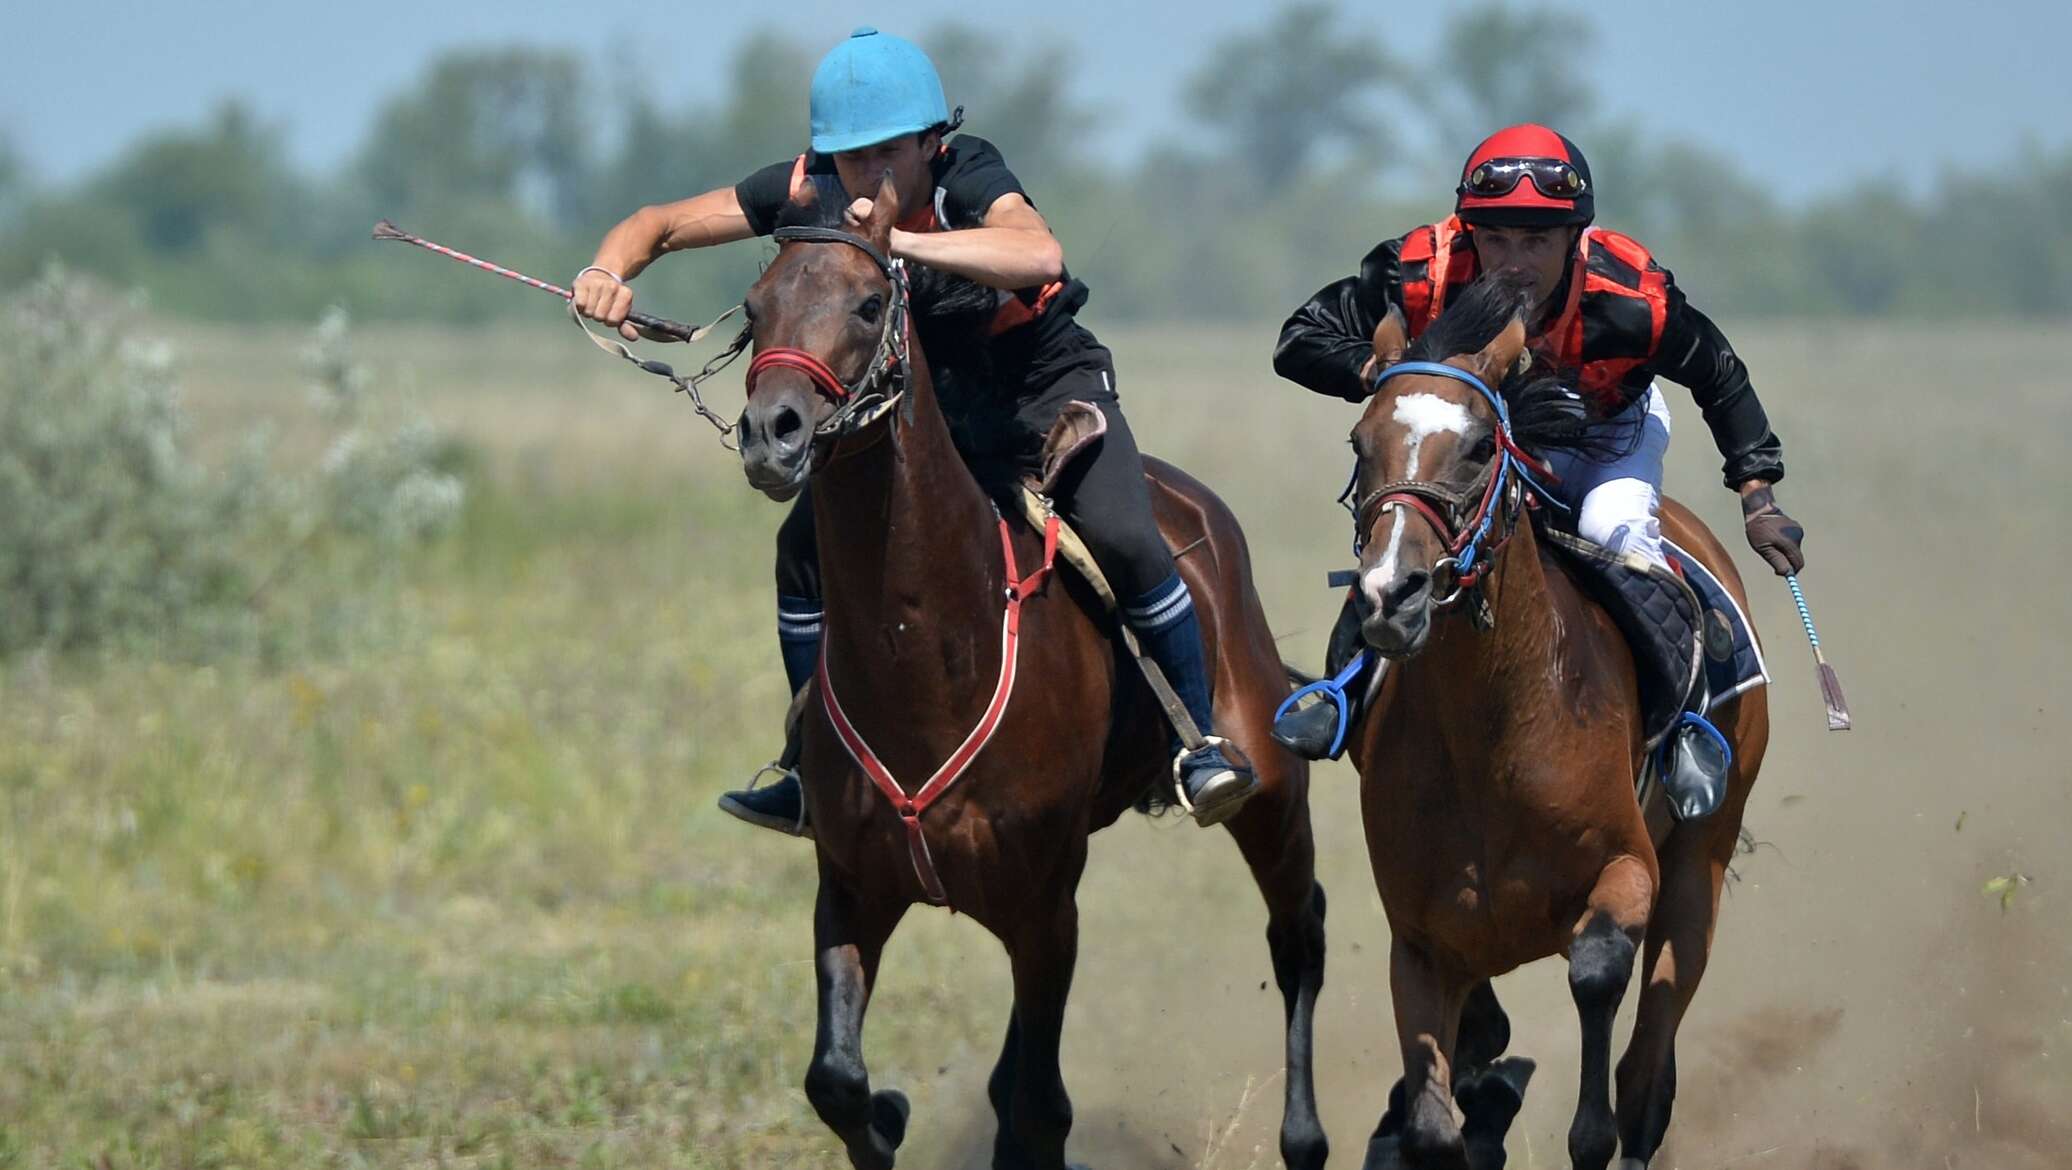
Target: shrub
{"x": 112, "y": 534}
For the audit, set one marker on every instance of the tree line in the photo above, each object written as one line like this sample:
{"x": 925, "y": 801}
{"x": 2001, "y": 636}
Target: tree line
{"x": 1310, "y": 140}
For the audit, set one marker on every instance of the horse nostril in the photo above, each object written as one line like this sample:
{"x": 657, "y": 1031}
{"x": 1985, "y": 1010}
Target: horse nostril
{"x": 1409, "y": 590}
{"x": 786, "y": 426}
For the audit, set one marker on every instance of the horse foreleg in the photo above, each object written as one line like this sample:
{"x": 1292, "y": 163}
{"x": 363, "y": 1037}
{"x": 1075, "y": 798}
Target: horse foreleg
{"x": 1038, "y": 1112}
{"x": 1428, "y": 1000}
{"x": 1274, "y": 836}
{"x": 1490, "y": 1091}
{"x": 849, "y": 935}
{"x": 1679, "y": 942}
{"x": 1600, "y": 965}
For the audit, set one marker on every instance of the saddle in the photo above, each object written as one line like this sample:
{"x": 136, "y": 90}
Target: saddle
{"x": 1078, "y": 427}
{"x": 1693, "y": 650}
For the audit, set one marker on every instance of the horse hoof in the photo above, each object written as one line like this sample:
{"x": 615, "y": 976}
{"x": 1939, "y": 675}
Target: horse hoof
{"x": 889, "y": 1111}
{"x": 1491, "y": 1097}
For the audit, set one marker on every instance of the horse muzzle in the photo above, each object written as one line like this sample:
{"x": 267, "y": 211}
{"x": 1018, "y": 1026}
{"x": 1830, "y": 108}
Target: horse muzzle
{"x": 776, "y": 448}
{"x": 1398, "y": 620}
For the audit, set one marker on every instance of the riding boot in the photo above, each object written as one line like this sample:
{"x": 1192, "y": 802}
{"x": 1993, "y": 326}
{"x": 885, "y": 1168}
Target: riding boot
{"x": 1166, "y": 626}
{"x": 1311, "y": 731}
{"x": 782, "y": 805}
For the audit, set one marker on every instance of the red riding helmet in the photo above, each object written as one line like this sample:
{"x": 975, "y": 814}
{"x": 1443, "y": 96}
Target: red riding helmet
{"x": 1525, "y": 176}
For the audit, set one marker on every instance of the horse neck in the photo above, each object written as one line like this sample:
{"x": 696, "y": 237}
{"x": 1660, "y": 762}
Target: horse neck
{"x": 905, "y": 534}
{"x": 1498, "y": 675}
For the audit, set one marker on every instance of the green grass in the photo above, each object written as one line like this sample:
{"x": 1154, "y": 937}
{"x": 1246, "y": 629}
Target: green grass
{"x": 456, "y": 895}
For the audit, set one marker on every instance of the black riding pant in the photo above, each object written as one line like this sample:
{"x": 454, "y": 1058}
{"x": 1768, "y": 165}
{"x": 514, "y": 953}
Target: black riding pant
{"x": 1102, "y": 495}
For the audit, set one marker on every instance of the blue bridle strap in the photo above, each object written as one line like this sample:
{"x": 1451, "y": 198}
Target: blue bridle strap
{"x": 1442, "y": 370}
{"x": 1508, "y": 452}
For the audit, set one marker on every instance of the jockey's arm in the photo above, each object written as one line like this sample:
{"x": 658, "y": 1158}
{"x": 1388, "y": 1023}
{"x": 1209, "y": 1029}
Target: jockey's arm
{"x": 1012, "y": 249}
{"x": 698, "y": 222}
{"x": 1328, "y": 343}
{"x": 1695, "y": 353}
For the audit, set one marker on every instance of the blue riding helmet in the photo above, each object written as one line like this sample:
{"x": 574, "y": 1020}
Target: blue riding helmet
{"x": 872, "y": 88}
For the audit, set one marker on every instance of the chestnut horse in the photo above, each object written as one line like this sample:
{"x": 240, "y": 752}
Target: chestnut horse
{"x": 913, "y": 572}
{"x": 1498, "y": 766}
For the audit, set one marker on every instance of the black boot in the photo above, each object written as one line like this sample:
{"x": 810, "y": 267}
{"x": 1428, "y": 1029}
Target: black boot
{"x": 1316, "y": 731}
{"x": 1694, "y": 764}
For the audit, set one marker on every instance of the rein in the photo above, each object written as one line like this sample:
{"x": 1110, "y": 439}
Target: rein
{"x": 1509, "y": 476}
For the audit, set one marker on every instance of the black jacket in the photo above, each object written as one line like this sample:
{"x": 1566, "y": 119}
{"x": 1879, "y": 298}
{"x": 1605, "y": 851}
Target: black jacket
{"x": 1326, "y": 341}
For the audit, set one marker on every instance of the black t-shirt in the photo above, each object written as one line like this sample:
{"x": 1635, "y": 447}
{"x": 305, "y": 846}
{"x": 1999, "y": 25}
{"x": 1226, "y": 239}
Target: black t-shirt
{"x": 1029, "y": 340}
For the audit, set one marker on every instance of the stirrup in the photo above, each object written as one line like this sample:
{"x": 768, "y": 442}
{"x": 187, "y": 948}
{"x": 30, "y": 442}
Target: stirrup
{"x": 1694, "y": 762}
{"x": 1333, "y": 690}
{"x": 1222, "y": 810}
{"x": 802, "y": 827}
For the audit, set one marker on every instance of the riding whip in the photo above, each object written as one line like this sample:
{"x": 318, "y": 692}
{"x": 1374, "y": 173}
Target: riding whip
{"x": 676, "y": 329}
{"x": 660, "y": 326}
{"x": 1830, "y": 684}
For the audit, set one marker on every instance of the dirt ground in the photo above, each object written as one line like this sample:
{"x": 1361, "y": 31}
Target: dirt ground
{"x": 1868, "y": 1004}
{"x": 565, "y": 950}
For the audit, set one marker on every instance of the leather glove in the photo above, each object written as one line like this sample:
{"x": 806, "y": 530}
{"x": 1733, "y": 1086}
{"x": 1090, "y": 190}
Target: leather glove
{"x": 1771, "y": 533}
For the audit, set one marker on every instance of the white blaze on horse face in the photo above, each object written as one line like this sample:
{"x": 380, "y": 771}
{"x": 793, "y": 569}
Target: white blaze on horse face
{"x": 1422, "y": 415}
{"x": 1378, "y": 578}
{"x": 1425, "y": 415}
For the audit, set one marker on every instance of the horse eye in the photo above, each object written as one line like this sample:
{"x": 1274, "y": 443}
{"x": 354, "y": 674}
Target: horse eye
{"x": 1484, "y": 449}
{"x": 870, "y": 308}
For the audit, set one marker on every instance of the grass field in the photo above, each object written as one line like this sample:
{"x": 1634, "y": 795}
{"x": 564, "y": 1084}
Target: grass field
{"x": 457, "y": 896}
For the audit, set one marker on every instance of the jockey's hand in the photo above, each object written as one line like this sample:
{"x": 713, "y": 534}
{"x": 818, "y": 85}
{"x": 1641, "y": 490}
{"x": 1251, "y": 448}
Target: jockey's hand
{"x": 1770, "y": 532}
{"x": 601, "y": 297}
{"x": 854, "y": 215}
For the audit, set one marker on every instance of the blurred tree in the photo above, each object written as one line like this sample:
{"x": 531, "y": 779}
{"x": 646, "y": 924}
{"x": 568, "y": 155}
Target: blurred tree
{"x": 499, "y": 125}
{"x": 1025, "y": 107}
{"x": 1497, "y": 66}
{"x": 1280, "y": 96}
{"x": 765, "y": 115}
{"x": 14, "y": 176}
{"x": 179, "y": 185}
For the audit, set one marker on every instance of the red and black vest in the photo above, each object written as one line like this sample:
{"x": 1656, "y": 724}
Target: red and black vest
{"x": 1610, "y": 326}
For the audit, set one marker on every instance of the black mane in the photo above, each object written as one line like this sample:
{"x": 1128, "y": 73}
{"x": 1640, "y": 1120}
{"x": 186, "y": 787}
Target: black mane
{"x": 1546, "y": 414}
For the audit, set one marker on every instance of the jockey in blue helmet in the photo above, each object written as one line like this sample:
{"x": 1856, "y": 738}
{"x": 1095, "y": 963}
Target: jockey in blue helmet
{"x": 878, "y": 109}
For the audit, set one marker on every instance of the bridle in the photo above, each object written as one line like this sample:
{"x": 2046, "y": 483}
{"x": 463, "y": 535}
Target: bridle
{"x": 883, "y": 382}
{"x": 1501, "y": 488}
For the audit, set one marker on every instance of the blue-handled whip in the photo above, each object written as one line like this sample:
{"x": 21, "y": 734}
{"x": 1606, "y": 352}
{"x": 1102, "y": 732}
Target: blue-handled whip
{"x": 1830, "y": 685}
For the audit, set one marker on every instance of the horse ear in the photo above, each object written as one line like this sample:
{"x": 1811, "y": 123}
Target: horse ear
{"x": 884, "y": 213}
{"x": 1391, "y": 337}
{"x": 1500, "y": 357}
{"x": 805, "y": 195}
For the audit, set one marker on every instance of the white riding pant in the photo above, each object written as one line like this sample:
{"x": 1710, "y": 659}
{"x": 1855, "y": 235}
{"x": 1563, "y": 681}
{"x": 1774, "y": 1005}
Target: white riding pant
{"x": 1615, "y": 501}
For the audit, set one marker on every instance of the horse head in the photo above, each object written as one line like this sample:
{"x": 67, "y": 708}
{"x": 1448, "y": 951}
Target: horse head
{"x": 829, "y": 325}
{"x": 1429, "y": 469}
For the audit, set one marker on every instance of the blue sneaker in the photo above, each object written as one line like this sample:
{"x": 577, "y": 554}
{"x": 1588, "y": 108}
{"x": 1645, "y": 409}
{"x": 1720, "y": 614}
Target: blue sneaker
{"x": 1211, "y": 787}
{"x": 780, "y": 806}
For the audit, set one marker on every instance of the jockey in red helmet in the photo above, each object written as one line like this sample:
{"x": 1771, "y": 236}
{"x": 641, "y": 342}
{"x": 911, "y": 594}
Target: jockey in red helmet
{"x": 1605, "y": 314}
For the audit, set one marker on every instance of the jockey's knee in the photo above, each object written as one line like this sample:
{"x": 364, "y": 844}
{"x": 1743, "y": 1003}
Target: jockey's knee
{"x": 1134, "y": 557}
{"x": 1621, "y": 516}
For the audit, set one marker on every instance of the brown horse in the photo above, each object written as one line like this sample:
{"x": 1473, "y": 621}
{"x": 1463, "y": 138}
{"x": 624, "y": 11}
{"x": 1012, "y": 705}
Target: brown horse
{"x": 1498, "y": 767}
{"x": 913, "y": 573}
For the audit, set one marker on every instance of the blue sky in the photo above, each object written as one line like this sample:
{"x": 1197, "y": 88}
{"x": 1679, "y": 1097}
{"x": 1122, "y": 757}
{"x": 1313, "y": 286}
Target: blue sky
{"x": 1812, "y": 94}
